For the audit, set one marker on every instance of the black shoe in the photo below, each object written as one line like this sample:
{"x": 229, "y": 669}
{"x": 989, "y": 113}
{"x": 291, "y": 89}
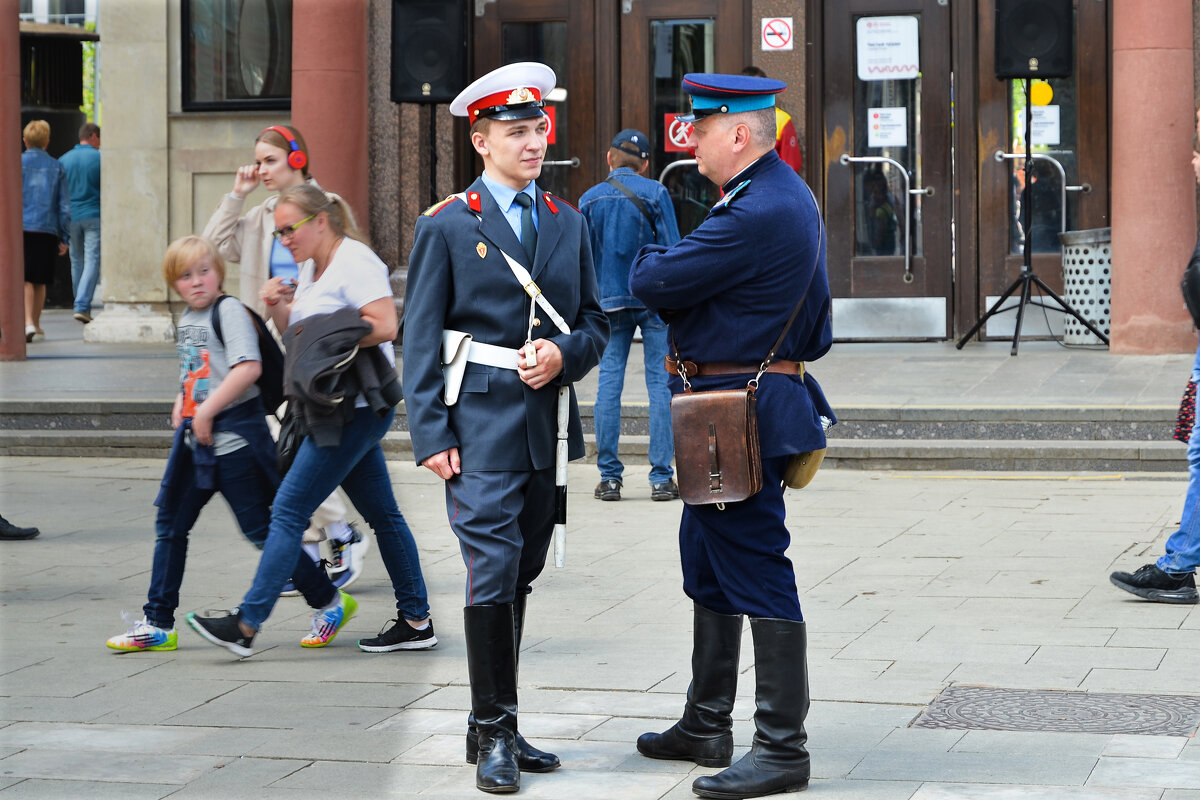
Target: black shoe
{"x": 1152, "y": 583}
{"x": 664, "y": 491}
{"x": 13, "y": 532}
{"x": 224, "y": 631}
{"x": 401, "y": 636}
{"x": 608, "y": 490}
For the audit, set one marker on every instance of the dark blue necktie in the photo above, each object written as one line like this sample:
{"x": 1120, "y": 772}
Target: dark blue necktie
{"x": 528, "y": 232}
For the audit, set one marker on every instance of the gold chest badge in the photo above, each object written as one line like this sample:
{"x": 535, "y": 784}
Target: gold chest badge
{"x": 481, "y": 248}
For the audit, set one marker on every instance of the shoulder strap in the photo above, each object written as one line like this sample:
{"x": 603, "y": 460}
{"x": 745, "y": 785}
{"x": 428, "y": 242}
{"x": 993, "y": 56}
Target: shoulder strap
{"x": 816, "y": 261}
{"x": 637, "y": 201}
{"x": 216, "y": 318}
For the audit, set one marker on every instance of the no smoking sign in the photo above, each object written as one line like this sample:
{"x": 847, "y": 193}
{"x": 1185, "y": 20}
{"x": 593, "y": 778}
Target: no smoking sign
{"x": 776, "y": 33}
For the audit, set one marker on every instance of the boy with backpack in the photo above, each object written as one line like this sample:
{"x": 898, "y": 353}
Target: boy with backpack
{"x": 221, "y": 439}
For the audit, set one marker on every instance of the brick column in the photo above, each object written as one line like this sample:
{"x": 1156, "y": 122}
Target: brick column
{"x": 12, "y": 260}
{"x": 329, "y": 94}
{"x": 1153, "y": 187}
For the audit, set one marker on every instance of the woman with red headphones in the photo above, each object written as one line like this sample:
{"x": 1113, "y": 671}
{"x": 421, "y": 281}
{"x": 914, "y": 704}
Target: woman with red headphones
{"x": 280, "y": 162}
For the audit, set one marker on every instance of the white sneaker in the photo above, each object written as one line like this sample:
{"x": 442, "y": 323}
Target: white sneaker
{"x": 348, "y": 556}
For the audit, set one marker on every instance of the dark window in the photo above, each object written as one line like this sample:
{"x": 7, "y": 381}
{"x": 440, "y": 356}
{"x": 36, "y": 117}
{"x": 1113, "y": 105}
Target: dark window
{"x": 237, "y": 54}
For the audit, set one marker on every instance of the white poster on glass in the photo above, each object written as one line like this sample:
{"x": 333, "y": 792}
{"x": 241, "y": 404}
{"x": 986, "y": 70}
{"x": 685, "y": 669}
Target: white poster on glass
{"x": 888, "y": 48}
{"x": 1046, "y": 125}
{"x": 887, "y": 127}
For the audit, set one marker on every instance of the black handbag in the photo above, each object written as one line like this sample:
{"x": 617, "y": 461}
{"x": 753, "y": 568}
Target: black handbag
{"x": 291, "y": 436}
{"x": 1191, "y": 286}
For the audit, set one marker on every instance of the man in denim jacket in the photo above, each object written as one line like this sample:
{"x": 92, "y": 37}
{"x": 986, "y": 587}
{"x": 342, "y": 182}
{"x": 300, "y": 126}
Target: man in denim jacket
{"x": 619, "y": 226}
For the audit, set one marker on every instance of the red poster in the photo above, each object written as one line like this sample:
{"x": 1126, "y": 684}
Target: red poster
{"x": 551, "y": 128}
{"x": 675, "y": 134}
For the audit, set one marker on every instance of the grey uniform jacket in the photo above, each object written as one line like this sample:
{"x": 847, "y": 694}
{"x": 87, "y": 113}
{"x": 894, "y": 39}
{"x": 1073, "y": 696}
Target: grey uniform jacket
{"x": 457, "y": 279}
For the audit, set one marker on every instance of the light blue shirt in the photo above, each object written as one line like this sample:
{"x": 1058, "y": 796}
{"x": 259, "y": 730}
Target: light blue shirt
{"x": 504, "y": 196}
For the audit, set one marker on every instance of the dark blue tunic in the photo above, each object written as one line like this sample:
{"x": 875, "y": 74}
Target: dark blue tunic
{"x": 727, "y": 290}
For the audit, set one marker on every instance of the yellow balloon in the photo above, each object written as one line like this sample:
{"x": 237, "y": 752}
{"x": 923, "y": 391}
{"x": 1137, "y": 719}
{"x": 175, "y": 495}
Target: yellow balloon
{"x": 1040, "y": 94}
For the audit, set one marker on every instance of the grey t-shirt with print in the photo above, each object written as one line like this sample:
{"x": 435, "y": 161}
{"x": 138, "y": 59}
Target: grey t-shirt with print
{"x": 204, "y": 362}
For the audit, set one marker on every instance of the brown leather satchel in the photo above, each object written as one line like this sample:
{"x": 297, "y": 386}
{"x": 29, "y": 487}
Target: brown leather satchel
{"x": 717, "y": 459}
{"x": 717, "y": 455}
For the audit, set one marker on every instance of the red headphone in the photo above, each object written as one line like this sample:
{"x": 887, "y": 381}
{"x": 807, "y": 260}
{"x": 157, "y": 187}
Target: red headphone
{"x": 296, "y": 159}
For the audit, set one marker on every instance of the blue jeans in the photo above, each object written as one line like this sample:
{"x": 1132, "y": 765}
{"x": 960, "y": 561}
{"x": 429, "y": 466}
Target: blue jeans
{"x": 357, "y": 465}
{"x": 1183, "y": 548}
{"x": 85, "y": 262}
{"x": 242, "y": 483}
{"x": 607, "y": 413}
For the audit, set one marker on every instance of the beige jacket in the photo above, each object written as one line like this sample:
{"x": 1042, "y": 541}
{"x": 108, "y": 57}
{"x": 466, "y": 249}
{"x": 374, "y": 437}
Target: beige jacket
{"x": 246, "y": 239}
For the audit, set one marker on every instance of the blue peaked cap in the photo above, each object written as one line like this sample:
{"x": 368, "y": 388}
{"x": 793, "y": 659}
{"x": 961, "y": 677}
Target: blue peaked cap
{"x": 718, "y": 93}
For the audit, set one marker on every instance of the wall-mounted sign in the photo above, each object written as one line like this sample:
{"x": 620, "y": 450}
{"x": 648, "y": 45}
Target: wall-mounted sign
{"x": 888, "y": 48}
{"x": 777, "y": 33}
{"x": 675, "y": 134}
{"x": 1046, "y": 125}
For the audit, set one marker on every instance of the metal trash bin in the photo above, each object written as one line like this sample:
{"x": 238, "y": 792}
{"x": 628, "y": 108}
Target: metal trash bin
{"x": 1087, "y": 282}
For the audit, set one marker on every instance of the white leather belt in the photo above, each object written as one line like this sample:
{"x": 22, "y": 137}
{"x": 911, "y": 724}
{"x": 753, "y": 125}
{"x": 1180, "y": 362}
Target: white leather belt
{"x": 491, "y": 355}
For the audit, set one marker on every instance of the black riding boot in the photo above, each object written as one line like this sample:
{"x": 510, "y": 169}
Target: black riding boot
{"x": 529, "y": 758}
{"x": 492, "y": 667}
{"x": 777, "y": 761}
{"x": 704, "y": 733}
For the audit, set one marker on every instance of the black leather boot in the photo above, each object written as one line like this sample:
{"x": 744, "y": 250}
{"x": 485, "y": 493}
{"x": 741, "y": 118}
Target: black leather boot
{"x": 704, "y": 733}
{"x": 529, "y": 758}
{"x": 492, "y": 667}
{"x": 777, "y": 761}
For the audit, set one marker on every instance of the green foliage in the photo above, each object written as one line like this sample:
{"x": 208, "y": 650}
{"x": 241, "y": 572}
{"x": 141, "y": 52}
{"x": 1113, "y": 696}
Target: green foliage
{"x": 90, "y": 106}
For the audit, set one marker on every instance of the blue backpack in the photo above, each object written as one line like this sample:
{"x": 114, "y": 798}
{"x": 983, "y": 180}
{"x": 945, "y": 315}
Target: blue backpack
{"x": 270, "y": 382}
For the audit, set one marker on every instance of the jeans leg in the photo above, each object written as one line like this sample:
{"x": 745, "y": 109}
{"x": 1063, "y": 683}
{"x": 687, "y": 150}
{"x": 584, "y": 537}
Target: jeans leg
{"x": 1183, "y": 547}
{"x": 170, "y": 552}
{"x": 607, "y": 409}
{"x": 654, "y": 350}
{"x": 248, "y": 492}
{"x": 77, "y": 258}
{"x": 370, "y": 489}
{"x": 316, "y": 472}
{"x": 89, "y": 246}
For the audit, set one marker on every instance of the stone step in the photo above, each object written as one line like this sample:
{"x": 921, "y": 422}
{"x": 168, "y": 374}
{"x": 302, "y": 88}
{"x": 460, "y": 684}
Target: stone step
{"x": 890, "y": 454}
{"x": 1091, "y": 423}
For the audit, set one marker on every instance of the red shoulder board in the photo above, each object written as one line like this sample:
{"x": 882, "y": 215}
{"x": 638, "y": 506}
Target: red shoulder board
{"x": 474, "y": 203}
{"x": 550, "y": 203}
{"x": 436, "y": 207}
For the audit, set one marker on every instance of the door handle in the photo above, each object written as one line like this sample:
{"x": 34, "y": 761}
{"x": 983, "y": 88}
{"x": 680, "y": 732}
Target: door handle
{"x": 846, "y": 160}
{"x": 1086, "y": 188}
{"x": 572, "y": 162}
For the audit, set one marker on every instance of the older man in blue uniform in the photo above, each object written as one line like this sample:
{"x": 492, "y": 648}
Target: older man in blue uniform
{"x": 488, "y": 425}
{"x": 727, "y": 291}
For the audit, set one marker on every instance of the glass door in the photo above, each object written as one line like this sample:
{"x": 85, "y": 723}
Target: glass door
{"x": 1069, "y": 181}
{"x": 660, "y": 43}
{"x": 888, "y": 196}
{"x": 561, "y": 34}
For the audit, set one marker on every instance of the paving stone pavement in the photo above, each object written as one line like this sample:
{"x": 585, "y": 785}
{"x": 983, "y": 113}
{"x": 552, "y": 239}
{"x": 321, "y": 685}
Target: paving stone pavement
{"x": 910, "y": 583}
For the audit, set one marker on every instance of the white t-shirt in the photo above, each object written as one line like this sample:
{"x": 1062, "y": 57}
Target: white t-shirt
{"x": 355, "y": 277}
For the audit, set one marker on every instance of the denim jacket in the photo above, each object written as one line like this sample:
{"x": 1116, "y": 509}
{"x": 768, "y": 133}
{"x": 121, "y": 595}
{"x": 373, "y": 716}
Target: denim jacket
{"x": 618, "y": 230}
{"x": 47, "y": 203}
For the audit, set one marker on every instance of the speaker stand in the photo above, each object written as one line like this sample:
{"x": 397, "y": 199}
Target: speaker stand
{"x": 1027, "y": 279}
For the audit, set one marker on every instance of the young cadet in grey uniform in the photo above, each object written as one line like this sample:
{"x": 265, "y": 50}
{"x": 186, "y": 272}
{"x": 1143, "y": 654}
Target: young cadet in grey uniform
{"x": 491, "y": 431}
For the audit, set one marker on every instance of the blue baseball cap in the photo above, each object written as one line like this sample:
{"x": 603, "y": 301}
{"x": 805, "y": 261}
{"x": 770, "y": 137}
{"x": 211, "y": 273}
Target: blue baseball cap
{"x": 718, "y": 93}
{"x": 632, "y": 141}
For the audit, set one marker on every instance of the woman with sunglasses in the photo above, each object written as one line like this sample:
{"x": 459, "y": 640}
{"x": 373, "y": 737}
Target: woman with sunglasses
{"x": 281, "y": 162}
{"x": 337, "y": 271}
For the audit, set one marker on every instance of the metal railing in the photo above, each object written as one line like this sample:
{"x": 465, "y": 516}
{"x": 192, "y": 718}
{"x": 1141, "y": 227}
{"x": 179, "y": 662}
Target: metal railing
{"x": 1086, "y": 188}
{"x": 846, "y": 160}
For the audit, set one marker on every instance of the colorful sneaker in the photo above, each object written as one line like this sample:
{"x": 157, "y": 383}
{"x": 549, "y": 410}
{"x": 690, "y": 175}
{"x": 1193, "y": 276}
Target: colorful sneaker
{"x": 401, "y": 636}
{"x": 347, "y": 558}
{"x": 223, "y": 630}
{"x": 144, "y": 636}
{"x": 327, "y": 623}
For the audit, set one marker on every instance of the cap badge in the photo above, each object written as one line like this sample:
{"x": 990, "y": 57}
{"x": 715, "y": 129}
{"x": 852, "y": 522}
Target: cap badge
{"x": 519, "y": 95}
{"x": 481, "y": 248}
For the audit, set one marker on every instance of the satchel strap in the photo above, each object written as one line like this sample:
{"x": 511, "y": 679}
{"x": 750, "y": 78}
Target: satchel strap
{"x": 637, "y": 201}
{"x": 681, "y": 365}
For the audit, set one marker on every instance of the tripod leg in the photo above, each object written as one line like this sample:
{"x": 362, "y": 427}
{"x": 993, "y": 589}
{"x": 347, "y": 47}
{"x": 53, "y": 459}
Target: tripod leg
{"x": 990, "y": 312}
{"x": 1027, "y": 279}
{"x": 1067, "y": 308}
